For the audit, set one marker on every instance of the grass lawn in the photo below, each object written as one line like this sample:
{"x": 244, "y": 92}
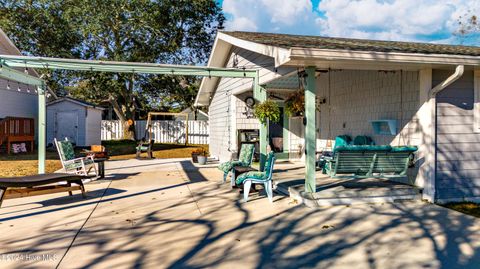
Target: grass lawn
{"x": 468, "y": 208}
{"x": 26, "y": 164}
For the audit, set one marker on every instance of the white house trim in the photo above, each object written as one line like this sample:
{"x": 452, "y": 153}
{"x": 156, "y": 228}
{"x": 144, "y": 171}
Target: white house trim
{"x": 398, "y": 57}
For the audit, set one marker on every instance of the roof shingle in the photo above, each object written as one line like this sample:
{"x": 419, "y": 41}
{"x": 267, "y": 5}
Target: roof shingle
{"x": 301, "y": 41}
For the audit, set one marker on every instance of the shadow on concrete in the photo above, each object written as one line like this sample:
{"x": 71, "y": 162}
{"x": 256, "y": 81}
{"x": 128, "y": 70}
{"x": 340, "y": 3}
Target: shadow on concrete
{"x": 280, "y": 237}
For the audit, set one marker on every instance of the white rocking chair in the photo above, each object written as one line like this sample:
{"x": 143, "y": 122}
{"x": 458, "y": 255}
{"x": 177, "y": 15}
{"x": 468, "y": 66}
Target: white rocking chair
{"x": 71, "y": 164}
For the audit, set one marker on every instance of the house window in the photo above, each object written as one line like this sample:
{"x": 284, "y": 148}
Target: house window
{"x": 476, "y": 103}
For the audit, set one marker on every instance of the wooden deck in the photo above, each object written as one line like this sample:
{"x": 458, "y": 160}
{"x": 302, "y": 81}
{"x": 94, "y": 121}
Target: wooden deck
{"x": 14, "y": 129}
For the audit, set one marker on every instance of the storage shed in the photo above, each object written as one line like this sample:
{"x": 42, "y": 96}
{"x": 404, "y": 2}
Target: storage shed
{"x": 74, "y": 119}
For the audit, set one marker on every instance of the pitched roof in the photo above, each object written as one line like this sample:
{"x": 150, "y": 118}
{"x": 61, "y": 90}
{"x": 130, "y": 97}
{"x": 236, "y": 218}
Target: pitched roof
{"x": 76, "y": 101}
{"x": 302, "y": 41}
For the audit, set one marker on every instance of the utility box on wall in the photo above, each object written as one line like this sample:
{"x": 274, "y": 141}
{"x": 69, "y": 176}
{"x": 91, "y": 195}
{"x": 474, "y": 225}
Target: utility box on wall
{"x": 78, "y": 121}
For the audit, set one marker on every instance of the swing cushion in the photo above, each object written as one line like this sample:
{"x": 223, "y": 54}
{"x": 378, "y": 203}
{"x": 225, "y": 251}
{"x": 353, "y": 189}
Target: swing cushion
{"x": 362, "y": 140}
{"x": 342, "y": 140}
{"x": 405, "y": 149}
{"x": 362, "y": 148}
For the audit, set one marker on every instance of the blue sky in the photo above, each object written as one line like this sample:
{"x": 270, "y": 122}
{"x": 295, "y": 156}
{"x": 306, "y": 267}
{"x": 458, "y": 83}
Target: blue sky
{"x": 404, "y": 20}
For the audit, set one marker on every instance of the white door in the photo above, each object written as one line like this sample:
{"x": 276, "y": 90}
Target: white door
{"x": 66, "y": 126}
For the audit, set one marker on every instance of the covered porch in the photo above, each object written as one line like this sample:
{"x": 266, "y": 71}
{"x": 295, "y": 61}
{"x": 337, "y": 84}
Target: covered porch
{"x": 391, "y": 104}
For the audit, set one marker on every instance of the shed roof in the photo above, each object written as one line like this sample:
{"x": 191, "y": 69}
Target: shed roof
{"x": 288, "y": 41}
{"x": 75, "y": 101}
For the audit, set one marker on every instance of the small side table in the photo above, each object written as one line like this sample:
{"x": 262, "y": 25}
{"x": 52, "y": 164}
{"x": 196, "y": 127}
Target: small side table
{"x": 101, "y": 167}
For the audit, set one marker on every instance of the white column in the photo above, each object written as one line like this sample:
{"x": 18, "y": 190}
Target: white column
{"x": 426, "y": 153}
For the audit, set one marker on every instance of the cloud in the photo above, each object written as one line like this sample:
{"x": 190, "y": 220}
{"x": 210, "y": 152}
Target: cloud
{"x": 267, "y": 15}
{"x": 392, "y": 20}
{"x": 287, "y": 11}
{"x": 409, "y": 20}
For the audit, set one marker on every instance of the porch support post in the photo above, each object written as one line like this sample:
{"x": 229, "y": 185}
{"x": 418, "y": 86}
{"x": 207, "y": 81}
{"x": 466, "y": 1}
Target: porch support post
{"x": 426, "y": 119}
{"x": 42, "y": 106}
{"x": 310, "y": 136}
{"x": 260, "y": 95}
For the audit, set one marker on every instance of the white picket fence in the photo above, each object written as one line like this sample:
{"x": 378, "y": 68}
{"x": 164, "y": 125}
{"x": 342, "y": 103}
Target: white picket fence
{"x": 163, "y": 131}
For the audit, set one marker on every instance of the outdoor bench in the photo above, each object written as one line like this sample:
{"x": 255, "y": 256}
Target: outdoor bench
{"x": 369, "y": 161}
{"x": 39, "y": 184}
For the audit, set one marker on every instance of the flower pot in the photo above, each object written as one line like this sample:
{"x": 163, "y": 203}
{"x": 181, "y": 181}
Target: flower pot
{"x": 195, "y": 157}
{"x": 202, "y": 160}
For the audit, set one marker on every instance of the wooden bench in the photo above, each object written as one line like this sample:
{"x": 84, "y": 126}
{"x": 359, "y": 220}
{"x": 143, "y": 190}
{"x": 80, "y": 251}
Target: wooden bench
{"x": 16, "y": 187}
{"x": 370, "y": 161}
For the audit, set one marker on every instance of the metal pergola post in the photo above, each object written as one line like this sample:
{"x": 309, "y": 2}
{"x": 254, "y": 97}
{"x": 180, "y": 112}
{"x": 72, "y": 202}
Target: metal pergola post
{"x": 42, "y": 127}
{"x": 7, "y": 62}
{"x": 260, "y": 95}
{"x": 310, "y": 133}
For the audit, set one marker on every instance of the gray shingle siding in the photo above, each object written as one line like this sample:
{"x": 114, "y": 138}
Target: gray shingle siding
{"x": 358, "y": 97}
{"x": 457, "y": 159}
{"x": 221, "y": 110}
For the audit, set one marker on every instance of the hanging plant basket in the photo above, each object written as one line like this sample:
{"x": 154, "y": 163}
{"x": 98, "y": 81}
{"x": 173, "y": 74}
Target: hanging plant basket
{"x": 267, "y": 111}
{"x": 295, "y": 104}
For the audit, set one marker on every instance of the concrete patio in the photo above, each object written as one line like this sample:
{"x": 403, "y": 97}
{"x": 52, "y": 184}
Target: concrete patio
{"x": 172, "y": 214}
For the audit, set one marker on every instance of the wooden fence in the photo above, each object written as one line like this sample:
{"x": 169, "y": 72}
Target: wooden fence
{"x": 163, "y": 131}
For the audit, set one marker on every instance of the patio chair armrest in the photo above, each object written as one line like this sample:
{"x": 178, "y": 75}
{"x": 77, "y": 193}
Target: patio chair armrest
{"x": 81, "y": 159}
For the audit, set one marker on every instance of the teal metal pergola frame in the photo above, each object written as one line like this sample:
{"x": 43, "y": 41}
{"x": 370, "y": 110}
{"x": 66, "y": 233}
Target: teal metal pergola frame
{"x": 8, "y": 63}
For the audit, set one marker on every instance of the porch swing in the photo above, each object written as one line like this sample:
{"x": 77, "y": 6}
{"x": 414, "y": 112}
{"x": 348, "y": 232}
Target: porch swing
{"x": 363, "y": 159}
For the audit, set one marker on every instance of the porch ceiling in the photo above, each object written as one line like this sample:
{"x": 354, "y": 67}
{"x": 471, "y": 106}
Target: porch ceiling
{"x": 287, "y": 82}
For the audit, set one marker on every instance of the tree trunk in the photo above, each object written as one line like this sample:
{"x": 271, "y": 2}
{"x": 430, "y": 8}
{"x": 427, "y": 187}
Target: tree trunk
{"x": 129, "y": 129}
{"x": 128, "y": 123}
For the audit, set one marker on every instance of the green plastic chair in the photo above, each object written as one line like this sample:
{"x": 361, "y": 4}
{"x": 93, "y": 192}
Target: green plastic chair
{"x": 264, "y": 177}
{"x": 245, "y": 159}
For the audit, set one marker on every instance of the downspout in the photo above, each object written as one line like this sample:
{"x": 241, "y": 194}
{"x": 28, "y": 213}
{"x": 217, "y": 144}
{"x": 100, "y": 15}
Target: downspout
{"x": 433, "y": 95}
{"x": 452, "y": 78}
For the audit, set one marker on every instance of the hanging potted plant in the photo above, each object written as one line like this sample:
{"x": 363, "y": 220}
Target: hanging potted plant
{"x": 202, "y": 157}
{"x": 267, "y": 111}
{"x": 295, "y": 104}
